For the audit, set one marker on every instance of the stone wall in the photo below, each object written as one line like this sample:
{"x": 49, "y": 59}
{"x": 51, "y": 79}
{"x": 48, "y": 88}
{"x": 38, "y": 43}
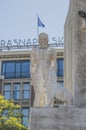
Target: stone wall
{"x": 75, "y": 53}
{"x": 62, "y": 118}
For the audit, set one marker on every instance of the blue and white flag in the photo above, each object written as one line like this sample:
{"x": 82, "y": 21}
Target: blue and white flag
{"x": 40, "y": 24}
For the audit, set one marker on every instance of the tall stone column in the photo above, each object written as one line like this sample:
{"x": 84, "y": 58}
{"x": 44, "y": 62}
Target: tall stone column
{"x": 75, "y": 52}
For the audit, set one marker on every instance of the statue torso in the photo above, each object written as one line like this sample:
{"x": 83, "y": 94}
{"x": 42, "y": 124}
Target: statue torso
{"x": 43, "y": 57}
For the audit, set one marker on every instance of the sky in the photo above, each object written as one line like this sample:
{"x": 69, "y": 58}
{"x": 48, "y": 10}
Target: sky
{"x": 18, "y": 18}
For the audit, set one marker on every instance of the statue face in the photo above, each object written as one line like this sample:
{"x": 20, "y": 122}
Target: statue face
{"x": 43, "y": 40}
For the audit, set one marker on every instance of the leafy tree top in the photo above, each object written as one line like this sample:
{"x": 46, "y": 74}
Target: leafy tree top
{"x": 10, "y": 118}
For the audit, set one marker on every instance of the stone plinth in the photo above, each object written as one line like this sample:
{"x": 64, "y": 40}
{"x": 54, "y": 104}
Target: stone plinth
{"x": 75, "y": 52}
{"x": 62, "y": 118}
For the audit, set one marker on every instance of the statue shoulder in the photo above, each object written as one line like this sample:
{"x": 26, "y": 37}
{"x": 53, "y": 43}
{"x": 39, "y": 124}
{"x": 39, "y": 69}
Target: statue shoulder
{"x": 34, "y": 50}
{"x": 52, "y": 51}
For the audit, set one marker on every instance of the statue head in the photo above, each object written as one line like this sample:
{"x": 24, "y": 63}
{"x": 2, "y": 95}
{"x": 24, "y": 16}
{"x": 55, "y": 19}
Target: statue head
{"x": 43, "y": 40}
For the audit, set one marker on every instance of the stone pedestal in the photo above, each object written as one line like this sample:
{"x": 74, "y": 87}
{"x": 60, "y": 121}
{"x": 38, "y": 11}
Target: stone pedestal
{"x": 62, "y": 118}
{"x": 75, "y": 52}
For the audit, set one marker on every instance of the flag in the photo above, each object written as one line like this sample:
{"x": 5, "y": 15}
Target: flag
{"x": 40, "y": 24}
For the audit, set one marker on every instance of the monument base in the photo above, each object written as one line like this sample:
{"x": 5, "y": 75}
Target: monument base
{"x": 61, "y": 118}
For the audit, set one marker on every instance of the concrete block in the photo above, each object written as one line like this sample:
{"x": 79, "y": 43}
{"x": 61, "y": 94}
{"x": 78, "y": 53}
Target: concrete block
{"x": 62, "y": 118}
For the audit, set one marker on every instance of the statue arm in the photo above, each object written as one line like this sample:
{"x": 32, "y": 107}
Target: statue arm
{"x": 53, "y": 59}
{"x": 32, "y": 64}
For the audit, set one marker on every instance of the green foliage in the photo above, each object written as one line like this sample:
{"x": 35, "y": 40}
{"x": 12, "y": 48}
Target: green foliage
{"x": 10, "y": 119}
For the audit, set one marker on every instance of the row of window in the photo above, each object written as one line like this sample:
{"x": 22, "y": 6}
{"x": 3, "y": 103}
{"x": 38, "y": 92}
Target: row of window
{"x": 20, "y": 92}
{"x": 17, "y": 91}
{"x": 16, "y": 69}
{"x": 21, "y": 69}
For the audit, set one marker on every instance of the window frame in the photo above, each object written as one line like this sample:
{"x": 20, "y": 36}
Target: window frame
{"x": 61, "y": 83}
{"x": 27, "y": 115}
{"x": 7, "y": 90}
{"x": 29, "y": 90}
{"x": 21, "y": 73}
{"x": 60, "y": 71}
{"x": 17, "y": 91}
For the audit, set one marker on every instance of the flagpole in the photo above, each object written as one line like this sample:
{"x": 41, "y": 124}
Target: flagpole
{"x": 37, "y": 27}
{"x": 37, "y": 30}
{"x": 39, "y": 24}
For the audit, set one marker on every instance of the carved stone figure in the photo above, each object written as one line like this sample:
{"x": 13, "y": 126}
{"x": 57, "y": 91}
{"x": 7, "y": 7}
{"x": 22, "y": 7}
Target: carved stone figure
{"x": 43, "y": 75}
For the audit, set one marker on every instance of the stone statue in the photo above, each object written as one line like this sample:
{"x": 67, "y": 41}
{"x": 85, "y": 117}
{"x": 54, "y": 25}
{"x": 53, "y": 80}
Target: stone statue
{"x": 43, "y": 75}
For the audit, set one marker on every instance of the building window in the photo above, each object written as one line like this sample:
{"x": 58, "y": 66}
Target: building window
{"x": 26, "y": 91}
{"x": 61, "y": 83}
{"x": 16, "y": 69}
{"x": 10, "y": 68}
{"x": 25, "y": 116}
{"x": 60, "y": 67}
{"x": 7, "y": 91}
{"x": 16, "y": 93}
{"x": 17, "y": 111}
{"x": 25, "y": 69}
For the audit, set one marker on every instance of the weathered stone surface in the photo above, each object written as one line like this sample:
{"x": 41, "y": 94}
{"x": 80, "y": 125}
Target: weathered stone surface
{"x": 62, "y": 118}
{"x": 75, "y": 52}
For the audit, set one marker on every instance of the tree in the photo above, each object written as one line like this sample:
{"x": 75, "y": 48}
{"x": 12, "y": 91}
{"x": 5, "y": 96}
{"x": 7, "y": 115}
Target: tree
{"x": 10, "y": 118}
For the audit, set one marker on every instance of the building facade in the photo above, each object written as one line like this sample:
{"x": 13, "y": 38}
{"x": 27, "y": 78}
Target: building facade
{"x": 15, "y": 78}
